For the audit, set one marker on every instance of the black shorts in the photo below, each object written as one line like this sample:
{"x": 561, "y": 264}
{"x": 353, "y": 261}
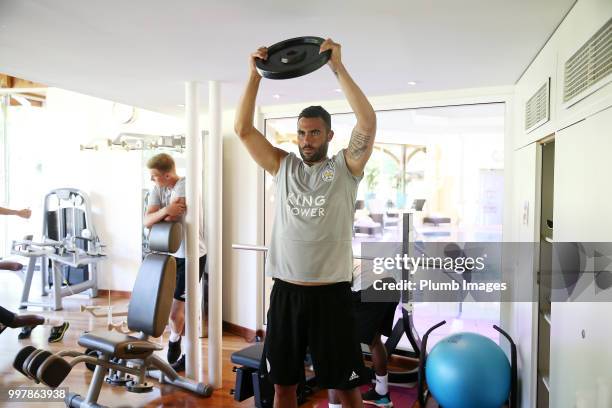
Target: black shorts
{"x": 373, "y": 318}
{"x": 179, "y": 291}
{"x": 7, "y": 318}
{"x": 318, "y": 318}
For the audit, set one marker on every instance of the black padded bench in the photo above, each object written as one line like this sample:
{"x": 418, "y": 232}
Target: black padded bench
{"x": 251, "y": 383}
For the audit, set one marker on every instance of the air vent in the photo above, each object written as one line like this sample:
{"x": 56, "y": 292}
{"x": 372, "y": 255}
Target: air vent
{"x": 537, "y": 108}
{"x": 589, "y": 67}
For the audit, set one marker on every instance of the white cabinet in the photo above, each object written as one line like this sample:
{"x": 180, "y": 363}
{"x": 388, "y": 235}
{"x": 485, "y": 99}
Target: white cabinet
{"x": 581, "y": 350}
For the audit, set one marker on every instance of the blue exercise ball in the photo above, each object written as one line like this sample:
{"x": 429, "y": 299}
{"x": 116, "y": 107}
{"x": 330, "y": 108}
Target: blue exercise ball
{"x": 468, "y": 370}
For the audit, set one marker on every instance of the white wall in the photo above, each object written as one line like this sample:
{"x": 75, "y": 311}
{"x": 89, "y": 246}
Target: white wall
{"x": 241, "y": 225}
{"x": 111, "y": 178}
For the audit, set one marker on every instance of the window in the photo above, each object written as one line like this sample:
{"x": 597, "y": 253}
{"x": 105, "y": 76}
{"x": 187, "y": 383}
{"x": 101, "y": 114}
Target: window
{"x": 446, "y": 164}
{"x": 27, "y": 151}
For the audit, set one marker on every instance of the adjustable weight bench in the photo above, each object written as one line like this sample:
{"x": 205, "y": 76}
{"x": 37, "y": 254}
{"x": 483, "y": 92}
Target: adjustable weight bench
{"x": 119, "y": 354}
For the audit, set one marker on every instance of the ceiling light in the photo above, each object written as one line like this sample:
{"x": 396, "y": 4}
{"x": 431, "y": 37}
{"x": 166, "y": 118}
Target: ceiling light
{"x": 338, "y": 90}
{"x": 180, "y": 105}
{"x": 276, "y": 96}
{"x": 412, "y": 83}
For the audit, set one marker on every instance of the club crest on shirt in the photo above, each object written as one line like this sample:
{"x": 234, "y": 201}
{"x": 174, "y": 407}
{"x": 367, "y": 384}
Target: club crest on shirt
{"x": 329, "y": 172}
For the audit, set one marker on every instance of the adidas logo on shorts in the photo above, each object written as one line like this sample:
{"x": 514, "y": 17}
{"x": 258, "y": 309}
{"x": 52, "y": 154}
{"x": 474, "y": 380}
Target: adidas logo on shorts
{"x": 354, "y": 376}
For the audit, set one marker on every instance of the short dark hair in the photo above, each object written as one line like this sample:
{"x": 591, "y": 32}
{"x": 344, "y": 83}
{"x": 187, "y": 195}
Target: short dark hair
{"x": 162, "y": 162}
{"x": 317, "y": 112}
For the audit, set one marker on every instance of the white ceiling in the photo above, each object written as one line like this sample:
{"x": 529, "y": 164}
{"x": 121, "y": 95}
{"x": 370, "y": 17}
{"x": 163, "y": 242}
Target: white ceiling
{"x": 140, "y": 52}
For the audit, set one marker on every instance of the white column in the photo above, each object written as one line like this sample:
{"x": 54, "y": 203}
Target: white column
{"x": 193, "y": 183}
{"x": 214, "y": 176}
{"x": 260, "y": 287}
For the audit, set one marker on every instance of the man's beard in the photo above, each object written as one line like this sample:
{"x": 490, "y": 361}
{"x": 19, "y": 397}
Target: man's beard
{"x": 316, "y": 155}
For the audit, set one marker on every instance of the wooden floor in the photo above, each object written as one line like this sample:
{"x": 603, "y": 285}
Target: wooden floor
{"x": 79, "y": 378}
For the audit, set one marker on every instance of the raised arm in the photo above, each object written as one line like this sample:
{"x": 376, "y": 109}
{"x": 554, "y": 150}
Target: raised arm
{"x": 362, "y": 138}
{"x": 260, "y": 149}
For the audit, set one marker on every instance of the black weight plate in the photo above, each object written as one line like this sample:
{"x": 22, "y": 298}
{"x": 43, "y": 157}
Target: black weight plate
{"x": 293, "y": 58}
{"x": 92, "y": 353}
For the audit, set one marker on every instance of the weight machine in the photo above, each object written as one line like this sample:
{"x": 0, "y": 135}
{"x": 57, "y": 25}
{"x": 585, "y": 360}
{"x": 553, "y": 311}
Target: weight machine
{"x": 69, "y": 242}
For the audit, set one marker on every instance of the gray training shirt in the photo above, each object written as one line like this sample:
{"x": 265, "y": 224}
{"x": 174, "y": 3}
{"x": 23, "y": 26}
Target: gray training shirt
{"x": 313, "y": 225}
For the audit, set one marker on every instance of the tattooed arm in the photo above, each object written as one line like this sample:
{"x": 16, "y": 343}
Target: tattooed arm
{"x": 362, "y": 139}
